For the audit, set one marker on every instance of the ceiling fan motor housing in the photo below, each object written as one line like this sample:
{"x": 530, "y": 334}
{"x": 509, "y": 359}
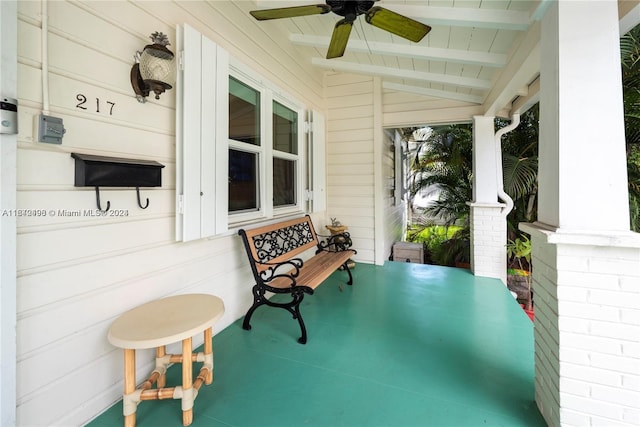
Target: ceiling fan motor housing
{"x": 350, "y": 9}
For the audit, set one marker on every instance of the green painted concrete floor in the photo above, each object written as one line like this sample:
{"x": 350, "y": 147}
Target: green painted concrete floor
{"x": 406, "y": 345}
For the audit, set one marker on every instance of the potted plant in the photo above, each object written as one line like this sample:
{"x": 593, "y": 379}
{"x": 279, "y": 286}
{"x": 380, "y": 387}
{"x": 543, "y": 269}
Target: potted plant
{"x": 519, "y": 250}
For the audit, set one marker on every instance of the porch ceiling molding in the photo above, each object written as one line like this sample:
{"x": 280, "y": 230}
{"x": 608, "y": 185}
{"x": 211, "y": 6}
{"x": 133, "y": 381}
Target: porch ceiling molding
{"x": 438, "y": 15}
{"x": 422, "y": 76}
{"x": 485, "y": 59}
{"x": 465, "y": 17}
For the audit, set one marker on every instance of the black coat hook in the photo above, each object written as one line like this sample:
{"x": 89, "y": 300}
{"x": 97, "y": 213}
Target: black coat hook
{"x": 139, "y": 203}
{"x": 98, "y": 201}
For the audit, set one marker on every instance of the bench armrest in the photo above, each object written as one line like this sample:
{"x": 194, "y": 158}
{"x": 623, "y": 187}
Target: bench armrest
{"x": 335, "y": 243}
{"x": 274, "y": 271}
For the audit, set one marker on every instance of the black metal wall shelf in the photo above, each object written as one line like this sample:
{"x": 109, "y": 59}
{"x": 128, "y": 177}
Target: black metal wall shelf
{"x": 102, "y": 171}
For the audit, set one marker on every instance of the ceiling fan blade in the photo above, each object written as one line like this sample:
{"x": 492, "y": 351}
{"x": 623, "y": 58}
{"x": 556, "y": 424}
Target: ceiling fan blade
{"x": 290, "y": 12}
{"x": 339, "y": 39}
{"x": 397, "y": 24}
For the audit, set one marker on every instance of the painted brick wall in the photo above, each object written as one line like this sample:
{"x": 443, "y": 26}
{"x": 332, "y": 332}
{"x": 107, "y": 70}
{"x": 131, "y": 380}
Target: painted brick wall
{"x": 587, "y": 333}
{"x": 488, "y": 239}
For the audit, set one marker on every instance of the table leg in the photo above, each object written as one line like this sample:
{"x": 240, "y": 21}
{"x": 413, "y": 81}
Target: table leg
{"x": 208, "y": 349}
{"x": 162, "y": 379}
{"x": 129, "y": 382}
{"x": 187, "y": 383}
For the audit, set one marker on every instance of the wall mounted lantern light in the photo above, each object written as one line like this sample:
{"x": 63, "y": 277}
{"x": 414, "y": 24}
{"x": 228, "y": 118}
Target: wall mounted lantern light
{"x": 154, "y": 68}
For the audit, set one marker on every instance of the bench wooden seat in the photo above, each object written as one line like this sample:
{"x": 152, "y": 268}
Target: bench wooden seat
{"x": 272, "y": 251}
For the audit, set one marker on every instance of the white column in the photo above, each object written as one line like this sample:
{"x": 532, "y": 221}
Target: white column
{"x": 586, "y": 262}
{"x": 488, "y": 224}
{"x": 583, "y": 169}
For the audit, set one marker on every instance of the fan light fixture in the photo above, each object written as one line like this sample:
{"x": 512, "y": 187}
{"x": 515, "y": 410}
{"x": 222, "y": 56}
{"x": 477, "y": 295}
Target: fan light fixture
{"x": 154, "y": 68}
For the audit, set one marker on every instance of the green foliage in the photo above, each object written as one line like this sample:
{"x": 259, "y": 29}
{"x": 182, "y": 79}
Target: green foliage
{"x": 517, "y": 272}
{"x": 445, "y": 161}
{"x": 431, "y": 236}
{"x": 519, "y": 249}
{"x": 630, "y": 59}
{"x": 456, "y": 249}
{"x": 445, "y": 244}
{"x": 633, "y": 174}
{"x": 520, "y": 168}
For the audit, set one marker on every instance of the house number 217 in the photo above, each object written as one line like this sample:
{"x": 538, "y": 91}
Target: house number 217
{"x": 82, "y": 104}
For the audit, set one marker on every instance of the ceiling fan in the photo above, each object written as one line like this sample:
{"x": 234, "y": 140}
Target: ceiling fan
{"x": 380, "y": 17}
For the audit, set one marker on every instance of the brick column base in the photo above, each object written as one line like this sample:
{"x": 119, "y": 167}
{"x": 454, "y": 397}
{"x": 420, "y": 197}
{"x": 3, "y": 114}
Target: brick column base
{"x": 488, "y": 241}
{"x": 587, "y": 326}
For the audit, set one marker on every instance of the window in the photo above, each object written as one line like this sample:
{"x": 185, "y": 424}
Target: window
{"x": 285, "y": 148}
{"x": 243, "y": 181}
{"x": 284, "y": 182}
{"x": 244, "y": 112}
{"x": 285, "y": 129}
{"x": 241, "y": 152}
{"x": 244, "y": 130}
{"x": 264, "y": 145}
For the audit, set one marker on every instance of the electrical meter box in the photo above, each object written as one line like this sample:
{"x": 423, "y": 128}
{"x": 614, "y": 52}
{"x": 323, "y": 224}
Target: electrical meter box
{"x": 8, "y": 115}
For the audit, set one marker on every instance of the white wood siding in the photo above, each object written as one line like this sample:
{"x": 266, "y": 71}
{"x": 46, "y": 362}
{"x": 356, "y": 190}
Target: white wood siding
{"x": 394, "y": 208}
{"x": 350, "y": 158}
{"x": 76, "y": 274}
{"x": 402, "y": 109}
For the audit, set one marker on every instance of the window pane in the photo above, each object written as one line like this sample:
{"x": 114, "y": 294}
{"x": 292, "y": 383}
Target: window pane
{"x": 243, "y": 181}
{"x": 285, "y": 129}
{"x": 284, "y": 184}
{"x": 244, "y": 112}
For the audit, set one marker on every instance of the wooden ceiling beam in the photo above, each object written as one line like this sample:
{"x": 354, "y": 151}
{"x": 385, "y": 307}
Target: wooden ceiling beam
{"x": 499, "y": 19}
{"x": 377, "y": 70}
{"x": 486, "y": 59}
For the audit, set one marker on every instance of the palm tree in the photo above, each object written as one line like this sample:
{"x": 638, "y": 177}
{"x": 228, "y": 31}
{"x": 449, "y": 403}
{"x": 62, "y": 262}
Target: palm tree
{"x": 630, "y": 59}
{"x": 520, "y": 169}
{"x": 444, "y": 161}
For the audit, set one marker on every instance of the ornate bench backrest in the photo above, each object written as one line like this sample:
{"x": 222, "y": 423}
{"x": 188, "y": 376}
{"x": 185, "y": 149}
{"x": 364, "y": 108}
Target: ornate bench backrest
{"x": 279, "y": 242}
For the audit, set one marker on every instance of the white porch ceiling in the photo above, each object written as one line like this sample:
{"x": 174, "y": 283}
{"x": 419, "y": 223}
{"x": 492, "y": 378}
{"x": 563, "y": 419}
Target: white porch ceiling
{"x": 481, "y": 52}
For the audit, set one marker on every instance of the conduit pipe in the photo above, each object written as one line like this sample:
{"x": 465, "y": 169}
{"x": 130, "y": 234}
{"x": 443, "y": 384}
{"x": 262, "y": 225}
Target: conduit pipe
{"x": 45, "y": 57}
{"x": 504, "y": 197}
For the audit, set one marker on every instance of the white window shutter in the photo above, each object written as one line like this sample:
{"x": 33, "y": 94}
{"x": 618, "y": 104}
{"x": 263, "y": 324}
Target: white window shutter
{"x": 222, "y": 141}
{"x": 201, "y": 110}
{"x": 188, "y": 135}
{"x": 207, "y": 166}
{"x": 318, "y": 162}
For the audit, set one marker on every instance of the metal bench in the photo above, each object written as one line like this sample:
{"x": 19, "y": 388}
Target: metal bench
{"x": 272, "y": 252}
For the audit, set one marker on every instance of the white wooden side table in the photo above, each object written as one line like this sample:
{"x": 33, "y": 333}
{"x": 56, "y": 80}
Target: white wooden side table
{"x": 155, "y": 325}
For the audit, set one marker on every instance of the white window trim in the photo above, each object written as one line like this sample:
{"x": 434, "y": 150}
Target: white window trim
{"x": 300, "y": 158}
{"x": 268, "y": 94}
